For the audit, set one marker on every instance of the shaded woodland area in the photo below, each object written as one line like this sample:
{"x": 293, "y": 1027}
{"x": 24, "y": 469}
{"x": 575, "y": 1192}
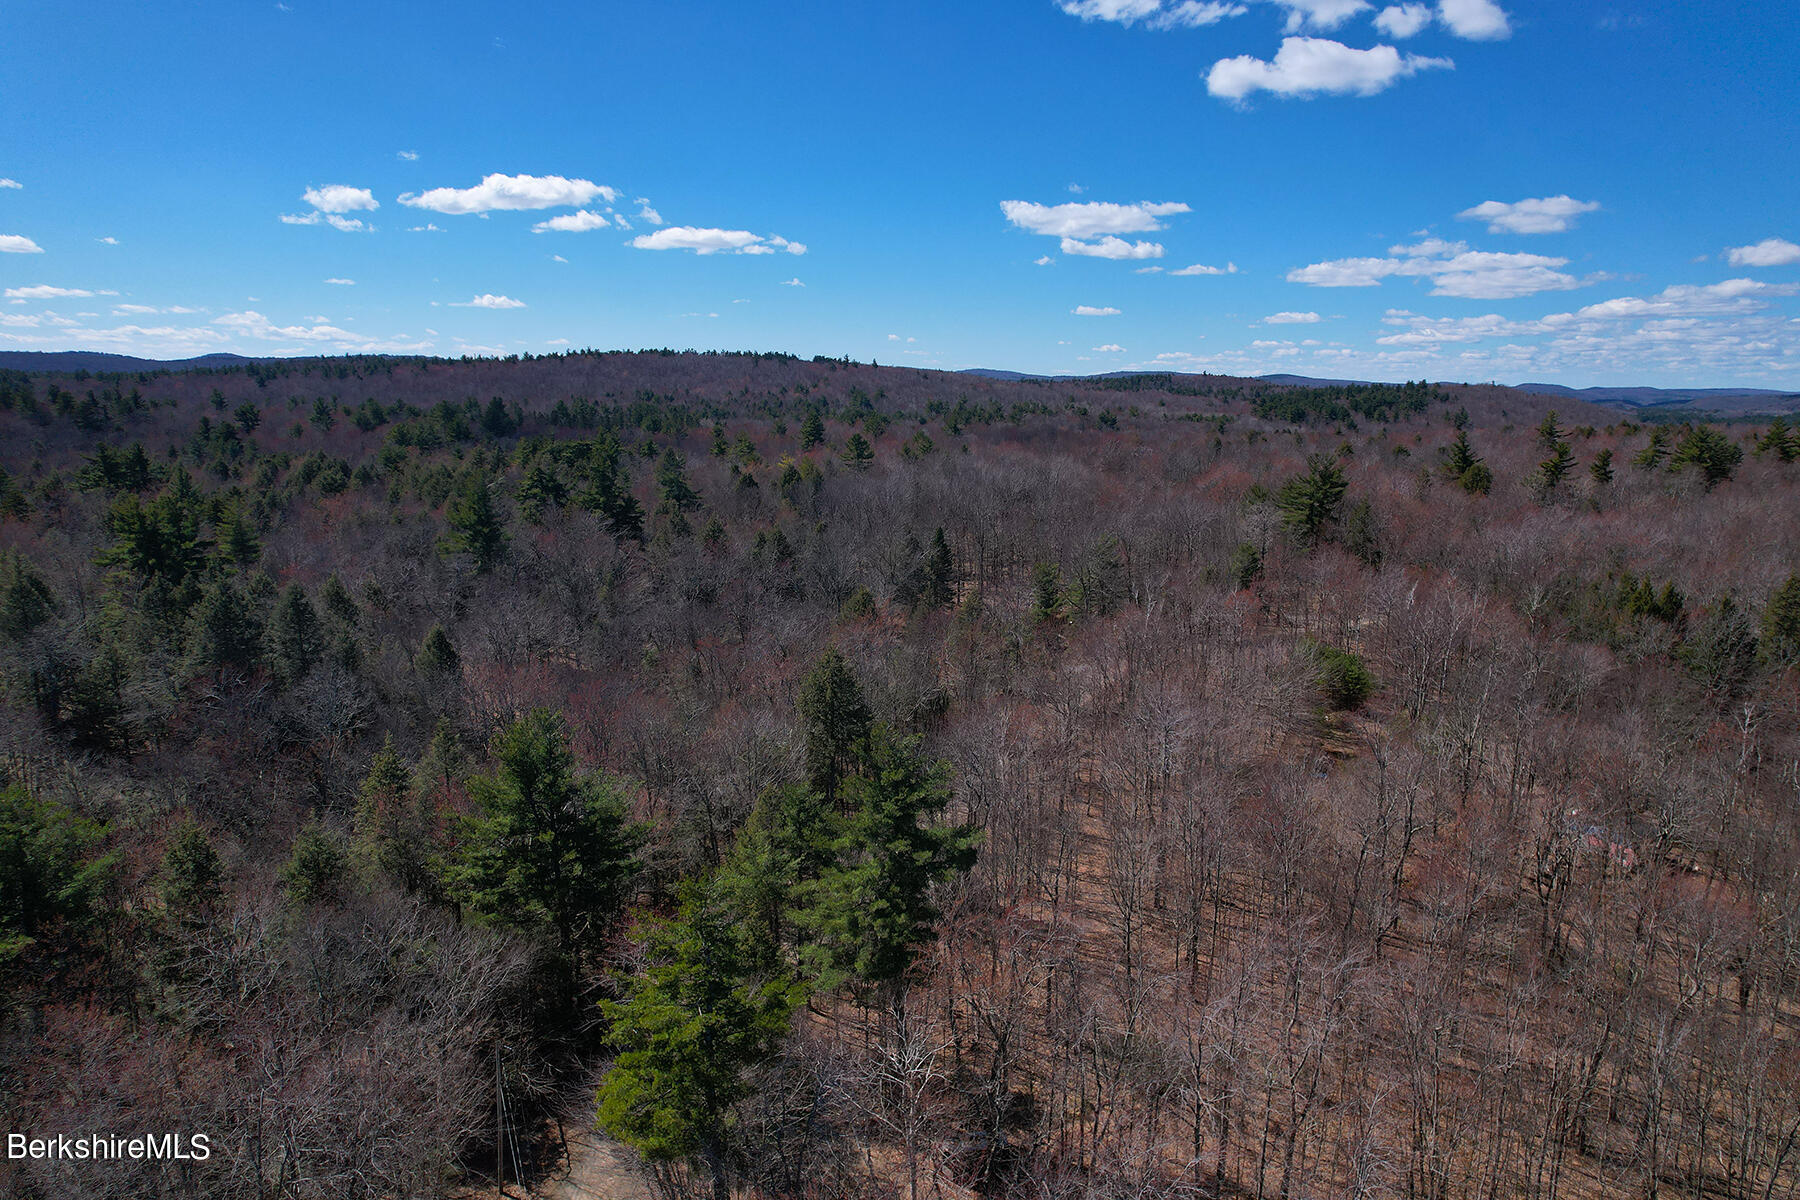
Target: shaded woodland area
{"x": 845, "y": 781}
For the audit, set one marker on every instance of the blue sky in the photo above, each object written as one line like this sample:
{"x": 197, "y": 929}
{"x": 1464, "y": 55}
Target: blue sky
{"x": 1465, "y": 189}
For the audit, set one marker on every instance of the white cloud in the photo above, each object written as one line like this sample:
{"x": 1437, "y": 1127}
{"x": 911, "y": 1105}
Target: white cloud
{"x": 428, "y": 227}
{"x": 1088, "y": 310}
{"x": 107, "y": 241}
{"x": 13, "y": 243}
{"x": 44, "y": 291}
{"x": 342, "y": 282}
{"x": 794, "y": 282}
{"x": 1441, "y": 331}
{"x": 407, "y": 155}
{"x": 1477, "y": 20}
{"x": 1453, "y": 269}
{"x": 714, "y": 241}
{"x": 1292, "y": 318}
{"x": 1109, "y": 348}
{"x": 1112, "y": 247}
{"x": 340, "y": 198}
{"x": 558, "y": 258}
{"x": 1323, "y": 15}
{"x": 1548, "y": 214}
{"x": 1087, "y": 221}
{"x": 575, "y": 222}
{"x": 1148, "y": 271}
{"x": 1045, "y": 261}
{"x": 254, "y": 324}
{"x": 338, "y": 222}
{"x": 1203, "y": 269}
{"x": 1307, "y": 67}
{"x": 10, "y": 183}
{"x": 1155, "y": 14}
{"x": 1770, "y": 252}
{"x": 511, "y": 193}
{"x": 133, "y": 310}
{"x": 1686, "y": 300}
{"x": 648, "y": 215}
{"x": 1403, "y": 20}
{"x": 489, "y": 300}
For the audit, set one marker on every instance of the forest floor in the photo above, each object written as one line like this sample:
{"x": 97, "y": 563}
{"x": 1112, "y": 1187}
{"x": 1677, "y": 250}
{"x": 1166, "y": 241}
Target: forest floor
{"x": 598, "y": 1168}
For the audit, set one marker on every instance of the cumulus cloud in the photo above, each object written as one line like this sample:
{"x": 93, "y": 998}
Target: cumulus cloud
{"x": 1548, "y": 214}
{"x": 1452, "y": 267}
{"x": 1088, "y": 310}
{"x": 1476, "y": 20}
{"x": 340, "y": 198}
{"x": 511, "y": 193}
{"x": 1403, "y": 20}
{"x": 254, "y": 324}
{"x": 1153, "y": 14}
{"x": 1306, "y": 67}
{"x": 1416, "y": 330}
{"x": 1687, "y": 300}
{"x": 1322, "y": 15}
{"x": 575, "y": 222}
{"x": 1292, "y": 318}
{"x": 1770, "y": 252}
{"x": 1089, "y": 221}
{"x": 1203, "y": 269}
{"x": 1109, "y": 348}
{"x": 10, "y": 183}
{"x": 13, "y": 243}
{"x": 489, "y": 300}
{"x": 1112, "y": 247}
{"x": 715, "y": 241}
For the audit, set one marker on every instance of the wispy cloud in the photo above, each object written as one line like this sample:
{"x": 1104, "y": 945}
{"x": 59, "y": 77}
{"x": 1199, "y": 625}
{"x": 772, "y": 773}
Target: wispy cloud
{"x": 1153, "y": 14}
{"x": 1292, "y": 318}
{"x": 1089, "y": 310}
{"x": 489, "y": 300}
{"x": 715, "y": 241}
{"x": 342, "y": 282}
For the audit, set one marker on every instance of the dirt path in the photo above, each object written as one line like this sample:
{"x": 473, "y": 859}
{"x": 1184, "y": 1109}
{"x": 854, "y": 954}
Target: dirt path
{"x": 599, "y": 1169}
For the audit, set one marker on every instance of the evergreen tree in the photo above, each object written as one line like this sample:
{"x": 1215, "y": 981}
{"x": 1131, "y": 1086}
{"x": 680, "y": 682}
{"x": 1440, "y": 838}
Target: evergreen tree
{"x": 858, "y": 454}
{"x": 158, "y": 541}
{"x": 26, "y": 601}
{"x": 688, "y": 1033}
{"x": 1781, "y": 625}
{"x": 1547, "y": 432}
{"x": 549, "y": 852}
{"x": 872, "y": 910}
{"x": 1246, "y": 565}
{"x": 541, "y": 489}
{"x": 1362, "y": 533}
{"x": 1710, "y": 452}
{"x": 784, "y": 845}
{"x": 1460, "y": 458}
{"x": 812, "y": 430}
{"x": 296, "y": 641}
{"x": 1722, "y": 652}
{"x": 1309, "y": 503}
{"x": 319, "y": 867}
{"x": 609, "y": 489}
{"x": 50, "y": 877}
{"x": 396, "y": 825}
{"x": 1046, "y": 593}
{"x": 1601, "y": 469}
{"x": 1553, "y": 470}
{"x": 191, "y": 880}
{"x": 675, "y": 494}
{"x": 238, "y": 544}
{"x": 1653, "y": 453}
{"x": 835, "y": 716}
{"x": 1780, "y": 441}
{"x": 338, "y": 602}
{"x": 225, "y": 632}
{"x": 939, "y": 585}
{"x": 475, "y": 525}
{"x": 436, "y": 656}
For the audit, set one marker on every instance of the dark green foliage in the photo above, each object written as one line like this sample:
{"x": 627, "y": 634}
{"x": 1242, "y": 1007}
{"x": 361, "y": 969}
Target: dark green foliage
{"x": 238, "y": 544}
{"x": 497, "y": 421}
{"x": 1601, "y": 469}
{"x": 1653, "y": 453}
{"x": 113, "y": 471}
{"x": 539, "y": 491}
{"x": 549, "y": 852}
{"x": 1046, "y": 593}
{"x": 835, "y": 717}
{"x": 688, "y": 1033}
{"x": 1100, "y": 582}
{"x": 475, "y": 525}
{"x": 339, "y": 605}
{"x": 396, "y": 828}
{"x": 50, "y": 877}
{"x": 159, "y": 541}
{"x": 296, "y": 640}
{"x": 812, "y": 430}
{"x": 1781, "y": 625}
{"x": 1553, "y": 470}
{"x": 1460, "y": 457}
{"x": 674, "y": 494}
{"x": 1709, "y": 452}
{"x": 437, "y": 655}
{"x": 938, "y": 590}
{"x": 1246, "y": 565}
{"x": 858, "y": 454}
{"x": 1310, "y": 503}
{"x": 191, "y": 879}
{"x": 1548, "y": 434}
{"x": 318, "y": 870}
{"x": 784, "y": 845}
{"x": 248, "y": 417}
{"x": 26, "y": 601}
{"x": 1780, "y": 441}
{"x": 1344, "y": 679}
{"x": 1362, "y": 533}
{"x": 608, "y": 492}
{"x": 225, "y": 631}
{"x": 872, "y": 910}
{"x": 1375, "y": 402}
